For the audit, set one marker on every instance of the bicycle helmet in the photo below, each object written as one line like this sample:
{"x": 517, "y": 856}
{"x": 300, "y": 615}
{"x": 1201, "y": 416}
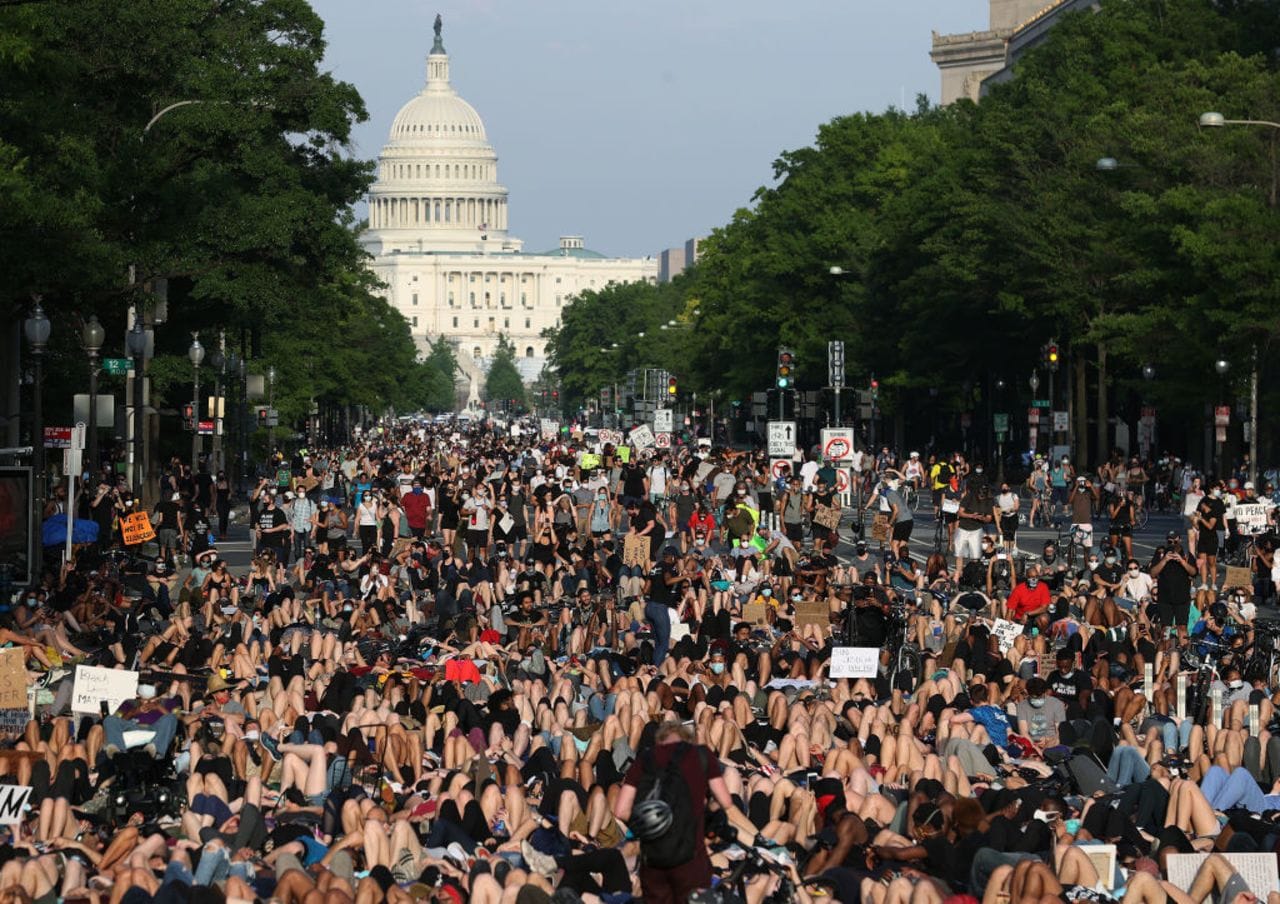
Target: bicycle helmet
{"x": 651, "y": 819}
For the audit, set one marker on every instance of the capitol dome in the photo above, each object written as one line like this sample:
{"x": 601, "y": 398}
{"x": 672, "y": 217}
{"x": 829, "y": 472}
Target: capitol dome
{"x": 437, "y": 188}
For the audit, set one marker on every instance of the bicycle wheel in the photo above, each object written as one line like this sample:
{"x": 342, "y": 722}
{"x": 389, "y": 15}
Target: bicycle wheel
{"x": 911, "y": 497}
{"x": 1141, "y": 517}
{"x": 907, "y": 666}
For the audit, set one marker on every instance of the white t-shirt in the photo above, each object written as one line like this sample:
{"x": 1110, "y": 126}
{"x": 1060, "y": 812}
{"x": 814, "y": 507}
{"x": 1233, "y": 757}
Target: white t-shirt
{"x": 1190, "y": 502}
{"x": 658, "y": 480}
{"x": 477, "y": 511}
{"x": 808, "y": 473}
{"x": 1137, "y": 588}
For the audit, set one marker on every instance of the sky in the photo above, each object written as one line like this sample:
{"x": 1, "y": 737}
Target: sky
{"x": 641, "y": 123}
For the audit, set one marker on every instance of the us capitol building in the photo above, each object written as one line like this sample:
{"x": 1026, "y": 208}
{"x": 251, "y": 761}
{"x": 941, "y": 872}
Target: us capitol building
{"x": 438, "y": 234}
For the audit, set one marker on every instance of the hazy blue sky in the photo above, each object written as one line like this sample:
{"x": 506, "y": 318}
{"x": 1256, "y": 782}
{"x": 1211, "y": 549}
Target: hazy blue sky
{"x": 639, "y": 124}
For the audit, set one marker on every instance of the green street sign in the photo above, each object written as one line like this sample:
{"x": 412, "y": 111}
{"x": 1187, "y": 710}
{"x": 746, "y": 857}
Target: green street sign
{"x": 1040, "y": 403}
{"x": 1001, "y": 423}
{"x": 117, "y": 367}
{"x": 1001, "y": 436}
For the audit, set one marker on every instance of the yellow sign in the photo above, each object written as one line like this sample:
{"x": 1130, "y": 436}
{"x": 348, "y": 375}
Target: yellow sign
{"x": 136, "y": 528}
{"x": 590, "y": 461}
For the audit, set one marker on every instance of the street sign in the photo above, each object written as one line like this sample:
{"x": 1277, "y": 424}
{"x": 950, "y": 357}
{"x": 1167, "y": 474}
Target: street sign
{"x": 780, "y": 468}
{"x": 116, "y": 367}
{"x": 57, "y": 437}
{"x": 782, "y": 439}
{"x": 642, "y": 438}
{"x": 1222, "y": 416}
{"x": 1033, "y": 415}
{"x": 662, "y": 420}
{"x": 842, "y": 480}
{"x": 1040, "y": 403}
{"x": 1061, "y": 421}
{"x": 662, "y": 440}
{"x": 206, "y": 428}
{"x": 837, "y": 444}
{"x": 1000, "y": 422}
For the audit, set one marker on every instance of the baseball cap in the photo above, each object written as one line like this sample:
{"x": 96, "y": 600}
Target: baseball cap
{"x": 1171, "y": 535}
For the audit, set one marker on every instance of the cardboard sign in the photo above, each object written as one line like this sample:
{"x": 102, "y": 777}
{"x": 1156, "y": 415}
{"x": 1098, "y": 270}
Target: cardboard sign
{"x": 827, "y": 516}
{"x": 635, "y": 550}
{"x": 854, "y": 662}
{"x": 1238, "y": 577}
{"x": 13, "y": 679}
{"x": 753, "y": 612}
{"x": 136, "y": 528}
{"x": 880, "y": 527}
{"x": 94, "y": 686}
{"x": 642, "y": 438}
{"x": 13, "y": 799}
{"x": 812, "y": 612}
{"x": 1257, "y": 870}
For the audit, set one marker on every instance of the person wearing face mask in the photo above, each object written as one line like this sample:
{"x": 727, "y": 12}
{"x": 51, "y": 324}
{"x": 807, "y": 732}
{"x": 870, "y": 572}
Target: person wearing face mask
{"x": 1209, "y": 519}
{"x": 1172, "y": 574}
{"x": 417, "y": 508}
{"x": 1137, "y": 584}
{"x": 1107, "y": 577}
{"x": 1030, "y": 600}
{"x": 1006, "y": 509}
{"x": 684, "y": 503}
{"x": 1069, "y": 684}
{"x": 1040, "y": 714}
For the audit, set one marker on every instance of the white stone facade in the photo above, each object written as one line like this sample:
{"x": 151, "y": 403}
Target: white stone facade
{"x": 438, "y": 220}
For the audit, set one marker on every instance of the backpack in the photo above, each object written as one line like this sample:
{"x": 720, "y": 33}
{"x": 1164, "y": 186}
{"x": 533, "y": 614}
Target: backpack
{"x": 679, "y": 845}
{"x": 944, "y": 474}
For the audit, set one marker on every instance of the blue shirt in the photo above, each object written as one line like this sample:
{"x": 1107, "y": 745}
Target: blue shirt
{"x": 994, "y": 720}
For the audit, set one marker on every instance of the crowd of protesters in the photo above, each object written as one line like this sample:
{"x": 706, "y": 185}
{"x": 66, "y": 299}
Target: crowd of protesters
{"x": 472, "y": 663}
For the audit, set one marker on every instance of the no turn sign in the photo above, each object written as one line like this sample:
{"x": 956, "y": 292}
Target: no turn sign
{"x": 837, "y": 444}
{"x": 780, "y": 468}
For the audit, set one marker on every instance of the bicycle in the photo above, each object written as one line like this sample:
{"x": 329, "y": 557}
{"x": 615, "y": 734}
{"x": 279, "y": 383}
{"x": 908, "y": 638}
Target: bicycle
{"x": 732, "y": 889}
{"x": 1206, "y": 665}
{"x": 1264, "y": 654}
{"x": 1069, "y": 543}
{"x": 911, "y": 496}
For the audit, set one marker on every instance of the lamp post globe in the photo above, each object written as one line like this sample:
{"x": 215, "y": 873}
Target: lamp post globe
{"x": 1212, "y": 120}
{"x": 1222, "y": 365}
{"x": 1034, "y": 381}
{"x": 1148, "y": 372}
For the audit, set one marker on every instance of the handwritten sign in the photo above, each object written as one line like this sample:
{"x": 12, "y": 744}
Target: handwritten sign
{"x": 13, "y": 800}
{"x": 812, "y": 612}
{"x": 1006, "y": 632}
{"x": 635, "y": 550}
{"x": 13, "y": 679}
{"x": 855, "y": 662}
{"x": 136, "y": 528}
{"x": 827, "y": 516}
{"x": 94, "y": 686}
{"x": 1257, "y": 870}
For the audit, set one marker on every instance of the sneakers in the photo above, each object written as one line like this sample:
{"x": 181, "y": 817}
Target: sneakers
{"x": 269, "y": 744}
{"x": 538, "y": 861}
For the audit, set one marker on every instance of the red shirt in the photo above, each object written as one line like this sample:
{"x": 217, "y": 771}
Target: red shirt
{"x": 1025, "y": 599}
{"x": 706, "y": 523}
{"x": 416, "y": 506}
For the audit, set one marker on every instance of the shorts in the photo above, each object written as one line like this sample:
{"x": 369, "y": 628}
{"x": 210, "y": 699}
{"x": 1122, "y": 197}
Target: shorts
{"x": 902, "y": 530}
{"x": 937, "y": 497}
{"x": 968, "y": 543}
{"x": 1085, "y": 533}
{"x": 1207, "y": 543}
{"x": 1058, "y": 495}
{"x": 1172, "y": 616}
{"x": 477, "y": 538}
{"x": 794, "y": 532}
{"x": 1122, "y": 530}
{"x": 166, "y": 537}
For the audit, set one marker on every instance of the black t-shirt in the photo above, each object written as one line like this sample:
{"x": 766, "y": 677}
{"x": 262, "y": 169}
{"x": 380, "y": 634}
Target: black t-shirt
{"x": 1215, "y": 509}
{"x": 1111, "y": 574}
{"x": 272, "y": 517}
{"x": 1068, "y": 687}
{"x": 1173, "y": 585}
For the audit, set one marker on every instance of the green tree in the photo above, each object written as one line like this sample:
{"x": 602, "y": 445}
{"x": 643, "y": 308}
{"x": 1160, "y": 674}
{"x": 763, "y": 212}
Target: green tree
{"x": 503, "y": 383}
{"x": 441, "y": 365}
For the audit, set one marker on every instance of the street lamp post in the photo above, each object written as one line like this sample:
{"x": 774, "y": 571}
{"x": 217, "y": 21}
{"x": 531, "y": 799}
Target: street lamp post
{"x": 1215, "y": 120}
{"x": 196, "y": 355}
{"x": 93, "y": 336}
{"x": 136, "y": 346}
{"x": 1034, "y": 383}
{"x": 37, "y": 329}
{"x": 271, "y": 410}
{"x": 1221, "y": 366}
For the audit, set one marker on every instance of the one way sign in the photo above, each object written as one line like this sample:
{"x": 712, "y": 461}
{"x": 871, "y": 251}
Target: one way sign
{"x": 782, "y": 439}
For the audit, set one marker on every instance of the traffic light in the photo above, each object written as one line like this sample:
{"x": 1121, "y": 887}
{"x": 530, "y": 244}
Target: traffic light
{"x": 263, "y": 412}
{"x": 188, "y": 416}
{"x": 786, "y": 378}
{"x": 1051, "y": 356}
{"x": 875, "y": 389}
{"x": 672, "y": 388}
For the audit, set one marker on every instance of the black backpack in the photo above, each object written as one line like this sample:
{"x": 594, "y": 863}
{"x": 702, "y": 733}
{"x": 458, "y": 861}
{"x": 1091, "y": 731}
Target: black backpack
{"x": 945, "y": 473}
{"x": 679, "y": 845}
